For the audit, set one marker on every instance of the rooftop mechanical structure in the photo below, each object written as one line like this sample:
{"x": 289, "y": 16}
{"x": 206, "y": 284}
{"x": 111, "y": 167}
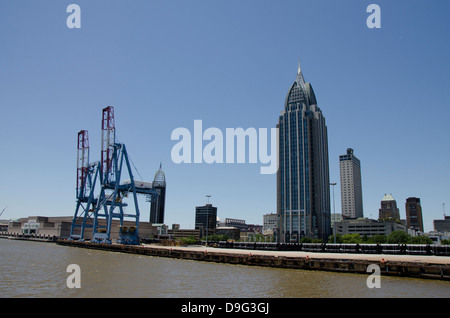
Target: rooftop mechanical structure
{"x": 109, "y": 203}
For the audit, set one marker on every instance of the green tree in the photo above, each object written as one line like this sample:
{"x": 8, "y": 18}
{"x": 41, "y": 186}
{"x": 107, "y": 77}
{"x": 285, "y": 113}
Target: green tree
{"x": 445, "y": 242}
{"x": 188, "y": 240}
{"x": 378, "y": 239}
{"x": 216, "y": 238}
{"x": 306, "y": 239}
{"x": 398, "y": 237}
{"x": 351, "y": 238}
{"x": 421, "y": 239}
{"x": 338, "y": 239}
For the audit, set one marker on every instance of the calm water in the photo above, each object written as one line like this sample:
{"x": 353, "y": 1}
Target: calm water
{"x": 31, "y": 269}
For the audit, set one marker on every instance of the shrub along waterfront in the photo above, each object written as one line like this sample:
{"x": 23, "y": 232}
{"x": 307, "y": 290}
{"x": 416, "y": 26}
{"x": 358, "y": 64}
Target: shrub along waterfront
{"x": 396, "y": 237}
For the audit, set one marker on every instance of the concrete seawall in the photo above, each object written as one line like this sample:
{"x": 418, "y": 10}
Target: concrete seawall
{"x": 36, "y": 238}
{"x": 393, "y": 265}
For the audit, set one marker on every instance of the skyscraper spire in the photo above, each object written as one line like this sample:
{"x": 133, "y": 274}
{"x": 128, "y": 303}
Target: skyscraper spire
{"x": 160, "y": 177}
{"x": 300, "y": 78}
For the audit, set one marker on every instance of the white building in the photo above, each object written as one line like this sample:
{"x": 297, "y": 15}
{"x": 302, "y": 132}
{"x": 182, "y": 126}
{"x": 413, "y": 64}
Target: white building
{"x": 270, "y": 223}
{"x": 351, "y": 187}
{"x": 335, "y": 218}
{"x": 364, "y": 226}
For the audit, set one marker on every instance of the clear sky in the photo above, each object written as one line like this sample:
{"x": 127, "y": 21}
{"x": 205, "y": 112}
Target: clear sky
{"x": 163, "y": 64}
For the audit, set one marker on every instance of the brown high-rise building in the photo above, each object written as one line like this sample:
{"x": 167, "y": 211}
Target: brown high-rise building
{"x": 414, "y": 214}
{"x": 389, "y": 208}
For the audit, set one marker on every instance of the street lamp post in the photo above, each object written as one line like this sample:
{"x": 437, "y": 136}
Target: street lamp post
{"x": 334, "y": 215}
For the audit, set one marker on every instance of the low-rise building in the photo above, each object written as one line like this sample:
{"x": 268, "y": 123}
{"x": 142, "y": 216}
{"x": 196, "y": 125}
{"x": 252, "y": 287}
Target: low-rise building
{"x": 41, "y": 225}
{"x": 4, "y": 225}
{"x": 335, "y": 218}
{"x": 233, "y": 233}
{"x": 239, "y": 224}
{"x": 270, "y": 223}
{"x": 437, "y": 237}
{"x": 442, "y": 225}
{"x": 61, "y": 226}
{"x": 369, "y": 227}
{"x": 177, "y": 233}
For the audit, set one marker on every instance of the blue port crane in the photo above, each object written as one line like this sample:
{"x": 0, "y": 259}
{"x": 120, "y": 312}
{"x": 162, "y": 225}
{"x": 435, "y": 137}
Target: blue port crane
{"x": 98, "y": 212}
{"x": 87, "y": 176}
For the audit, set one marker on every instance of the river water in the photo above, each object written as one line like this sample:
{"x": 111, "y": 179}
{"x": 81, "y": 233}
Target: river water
{"x": 33, "y": 269}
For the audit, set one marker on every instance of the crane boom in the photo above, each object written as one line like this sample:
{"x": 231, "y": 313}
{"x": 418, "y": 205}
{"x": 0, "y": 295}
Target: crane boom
{"x": 3, "y": 210}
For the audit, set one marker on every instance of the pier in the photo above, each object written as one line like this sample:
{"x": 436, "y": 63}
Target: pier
{"x": 418, "y": 266}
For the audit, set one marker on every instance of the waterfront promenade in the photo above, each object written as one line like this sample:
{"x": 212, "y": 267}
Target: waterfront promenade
{"x": 419, "y": 259}
{"x": 433, "y": 267}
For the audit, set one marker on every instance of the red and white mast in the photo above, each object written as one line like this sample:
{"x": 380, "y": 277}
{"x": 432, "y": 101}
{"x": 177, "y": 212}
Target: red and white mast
{"x": 82, "y": 161}
{"x": 108, "y": 140}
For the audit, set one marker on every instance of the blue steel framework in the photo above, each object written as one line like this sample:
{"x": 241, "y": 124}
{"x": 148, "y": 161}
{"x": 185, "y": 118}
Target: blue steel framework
{"x": 87, "y": 175}
{"x": 109, "y": 203}
{"x": 86, "y": 203}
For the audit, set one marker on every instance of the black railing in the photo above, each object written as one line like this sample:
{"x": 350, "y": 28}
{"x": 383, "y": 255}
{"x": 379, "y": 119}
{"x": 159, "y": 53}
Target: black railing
{"x": 399, "y": 249}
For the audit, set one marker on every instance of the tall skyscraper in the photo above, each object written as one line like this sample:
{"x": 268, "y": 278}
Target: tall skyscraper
{"x": 351, "y": 188}
{"x": 158, "y": 202}
{"x": 414, "y": 214}
{"x": 389, "y": 208}
{"x": 303, "y": 185}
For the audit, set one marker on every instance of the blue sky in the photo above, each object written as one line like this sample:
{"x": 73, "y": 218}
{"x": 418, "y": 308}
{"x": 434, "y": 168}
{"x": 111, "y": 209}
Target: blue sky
{"x": 163, "y": 64}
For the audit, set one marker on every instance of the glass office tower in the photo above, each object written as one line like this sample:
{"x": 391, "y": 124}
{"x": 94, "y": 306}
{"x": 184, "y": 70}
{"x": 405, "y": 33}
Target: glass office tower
{"x": 303, "y": 186}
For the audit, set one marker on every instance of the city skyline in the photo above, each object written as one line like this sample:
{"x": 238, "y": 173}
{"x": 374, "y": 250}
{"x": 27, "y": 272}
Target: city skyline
{"x": 164, "y": 65}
